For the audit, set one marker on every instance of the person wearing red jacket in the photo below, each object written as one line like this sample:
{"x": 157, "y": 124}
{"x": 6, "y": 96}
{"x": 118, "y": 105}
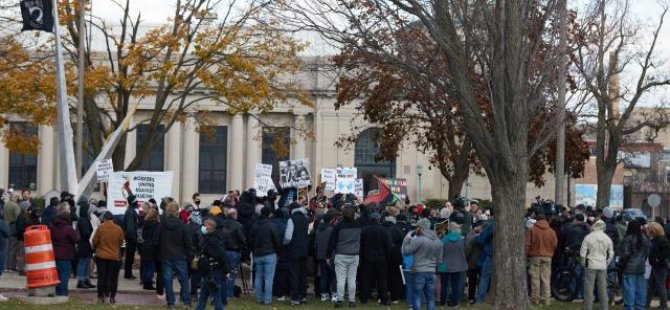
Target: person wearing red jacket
{"x": 541, "y": 242}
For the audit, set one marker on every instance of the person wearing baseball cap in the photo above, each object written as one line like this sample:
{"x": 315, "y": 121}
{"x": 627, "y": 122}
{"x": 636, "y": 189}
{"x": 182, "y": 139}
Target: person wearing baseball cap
{"x": 427, "y": 250}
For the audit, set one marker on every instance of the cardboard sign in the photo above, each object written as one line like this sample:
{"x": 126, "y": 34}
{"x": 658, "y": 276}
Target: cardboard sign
{"x": 347, "y": 172}
{"x": 263, "y": 180}
{"x": 294, "y": 173}
{"x": 358, "y": 189}
{"x": 329, "y": 176}
{"x": 103, "y": 169}
{"x": 143, "y": 184}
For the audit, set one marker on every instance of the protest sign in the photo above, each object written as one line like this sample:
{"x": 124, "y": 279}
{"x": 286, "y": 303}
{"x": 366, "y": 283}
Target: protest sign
{"x": 294, "y": 173}
{"x": 329, "y": 177}
{"x": 345, "y": 185}
{"x": 358, "y": 189}
{"x": 103, "y": 169}
{"x": 263, "y": 180}
{"x": 144, "y": 185}
{"x": 347, "y": 172}
{"x": 397, "y": 187}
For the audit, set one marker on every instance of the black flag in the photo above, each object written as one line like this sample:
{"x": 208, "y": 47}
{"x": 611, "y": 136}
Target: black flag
{"x": 37, "y": 15}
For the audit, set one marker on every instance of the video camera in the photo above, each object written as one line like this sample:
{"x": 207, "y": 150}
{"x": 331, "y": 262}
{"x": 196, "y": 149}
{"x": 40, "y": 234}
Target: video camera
{"x": 546, "y": 207}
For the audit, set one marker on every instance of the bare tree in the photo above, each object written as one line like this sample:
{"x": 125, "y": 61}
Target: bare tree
{"x": 611, "y": 44}
{"x": 506, "y": 50}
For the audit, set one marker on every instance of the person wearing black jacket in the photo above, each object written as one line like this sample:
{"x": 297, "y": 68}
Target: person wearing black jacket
{"x": 213, "y": 266}
{"x": 376, "y": 247}
{"x": 246, "y": 209}
{"x": 659, "y": 258}
{"x": 174, "y": 247}
{"x": 84, "y": 249}
{"x": 327, "y": 284}
{"x": 394, "y": 258}
{"x": 233, "y": 233}
{"x": 148, "y": 251}
{"x": 297, "y": 246}
{"x": 574, "y": 237}
{"x": 265, "y": 245}
{"x": 130, "y": 222}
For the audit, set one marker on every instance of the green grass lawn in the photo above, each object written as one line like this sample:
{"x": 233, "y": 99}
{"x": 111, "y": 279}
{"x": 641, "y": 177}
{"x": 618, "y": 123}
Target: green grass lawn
{"x": 75, "y": 304}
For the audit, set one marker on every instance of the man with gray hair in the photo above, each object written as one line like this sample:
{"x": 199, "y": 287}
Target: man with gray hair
{"x": 427, "y": 250}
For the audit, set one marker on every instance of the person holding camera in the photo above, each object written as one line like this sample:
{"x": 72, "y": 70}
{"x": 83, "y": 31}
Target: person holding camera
{"x": 213, "y": 266}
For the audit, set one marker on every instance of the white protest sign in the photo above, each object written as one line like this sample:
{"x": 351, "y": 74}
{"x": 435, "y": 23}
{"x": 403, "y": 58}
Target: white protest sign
{"x": 143, "y": 184}
{"x": 345, "y": 185}
{"x": 329, "y": 176}
{"x": 103, "y": 169}
{"x": 347, "y": 172}
{"x": 263, "y": 180}
{"x": 358, "y": 189}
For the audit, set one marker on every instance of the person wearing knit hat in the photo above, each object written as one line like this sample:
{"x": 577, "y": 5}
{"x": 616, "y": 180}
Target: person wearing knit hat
{"x": 375, "y": 250}
{"x": 427, "y": 250}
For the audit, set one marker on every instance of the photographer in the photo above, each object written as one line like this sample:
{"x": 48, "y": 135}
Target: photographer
{"x": 213, "y": 266}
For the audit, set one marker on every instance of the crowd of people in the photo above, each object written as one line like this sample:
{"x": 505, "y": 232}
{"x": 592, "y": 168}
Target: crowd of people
{"x": 353, "y": 252}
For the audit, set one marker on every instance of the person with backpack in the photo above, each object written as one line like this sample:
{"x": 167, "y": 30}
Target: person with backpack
{"x": 659, "y": 259}
{"x": 633, "y": 255}
{"x": 213, "y": 266}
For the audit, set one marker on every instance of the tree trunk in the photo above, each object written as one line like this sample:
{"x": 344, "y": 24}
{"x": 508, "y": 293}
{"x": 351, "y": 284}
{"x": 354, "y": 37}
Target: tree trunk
{"x": 456, "y": 186}
{"x": 508, "y": 283}
{"x": 605, "y": 169}
{"x": 119, "y": 155}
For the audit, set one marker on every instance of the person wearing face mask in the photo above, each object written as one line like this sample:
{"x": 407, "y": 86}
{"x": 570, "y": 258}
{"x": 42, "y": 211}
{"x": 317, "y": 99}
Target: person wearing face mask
{"x": 213, "y": 266}
{"x": 64, "y": 239}
{"x": 296, "y": 240}
{"x": 196, "y": 201}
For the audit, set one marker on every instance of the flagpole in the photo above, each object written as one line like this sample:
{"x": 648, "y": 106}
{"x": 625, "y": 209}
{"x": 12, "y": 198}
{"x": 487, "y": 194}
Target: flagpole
{"x": 80, "y": 95}
{"x": 68, "y": 177}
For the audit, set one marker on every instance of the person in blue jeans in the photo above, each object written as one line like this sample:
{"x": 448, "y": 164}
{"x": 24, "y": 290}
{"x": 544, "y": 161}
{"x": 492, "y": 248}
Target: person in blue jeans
{"x": 427, "y": 250}
{"x": 265, "y": 244}
{"x": 407, "y": 261}
{"x": 213, "y": 267}
{"x": 634, "y": 252}
{"x": 175, "y": 245}
{"x": 63, "y": 238}
{"x": 485, "y": 239}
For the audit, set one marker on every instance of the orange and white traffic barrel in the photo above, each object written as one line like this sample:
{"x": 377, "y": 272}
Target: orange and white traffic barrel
{"x": 40, "y": 261}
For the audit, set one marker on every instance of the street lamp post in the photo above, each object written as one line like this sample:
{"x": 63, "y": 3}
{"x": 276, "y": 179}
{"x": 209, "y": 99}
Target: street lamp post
{"x": 419, "y": 172}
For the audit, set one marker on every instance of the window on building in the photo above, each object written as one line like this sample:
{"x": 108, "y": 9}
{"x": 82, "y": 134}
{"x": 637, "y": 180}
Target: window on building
{"x": 213, "y": 160}
{"x": 155, "y": 160}
{"x": 364, "y": 160}
{"x": 23, "y": 167}
{"x": 272, "y": 137}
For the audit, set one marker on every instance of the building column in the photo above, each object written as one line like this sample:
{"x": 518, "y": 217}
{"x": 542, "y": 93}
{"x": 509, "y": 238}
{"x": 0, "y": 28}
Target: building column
{"x": 254, "y": 148}
{"x": 45, "y": 160}
{"x": 236, "y": 171}
{"x": 173, "y": 142}
{"x": 190, "y": 164}
{"x": 4, "y": 167}
{"x": 299, "y": 138}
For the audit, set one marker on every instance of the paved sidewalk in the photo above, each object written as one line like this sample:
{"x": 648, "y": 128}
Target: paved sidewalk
{"x": 130, "y": 291}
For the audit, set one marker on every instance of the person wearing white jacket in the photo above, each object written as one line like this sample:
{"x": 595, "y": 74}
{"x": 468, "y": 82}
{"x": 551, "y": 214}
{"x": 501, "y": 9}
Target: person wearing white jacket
{"x": 597, "y": 252}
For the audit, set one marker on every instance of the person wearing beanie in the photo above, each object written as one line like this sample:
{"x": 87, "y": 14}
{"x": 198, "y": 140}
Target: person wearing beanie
{"x": 573, "y": 242}
{"x": 376, "y": 246}
{"x": 453, "y": 266}
{"x": 541, "y": 243}
{"x": 596, "y": 252}
{"x": 427, "y": 250}
{"x": 344, "y": 247}
{"x": 327, "y": 282}
{"x": 395, "y": 286}
{"x": 265, "y": 245}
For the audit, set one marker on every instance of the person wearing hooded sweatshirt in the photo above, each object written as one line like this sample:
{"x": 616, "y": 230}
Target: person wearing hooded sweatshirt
{"x": 596, "y": 253}
{"x": 130, "y": 225}
{"x": 427, "y": 250}
{"x": 573, "y": 243}
{"x": 214, "y": 266}
{"x": 64, "y": 239}
{"x": 233, "y": 232}
{"x": 376, "y": 246}
{"x": 326, "y": 272}
{"x": 296, "y": 241}
{"x": 246, "y": 210}
{"x": 84, "y": 249}
{"x": 659, "y": 258}
{"x": 394, "y": 258}
{"x": 281, "y": 285}
{"x": 453, "y": 266}
{"x": 633, "y": 255}
{"x": 49, "y": 212}
{"x": 148, "y": 250}
{"x": 175, "y": 245}
{"x": 266, "y": 246}
{"x": 541, "y": 243}
{"x": 344, "y": 246}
